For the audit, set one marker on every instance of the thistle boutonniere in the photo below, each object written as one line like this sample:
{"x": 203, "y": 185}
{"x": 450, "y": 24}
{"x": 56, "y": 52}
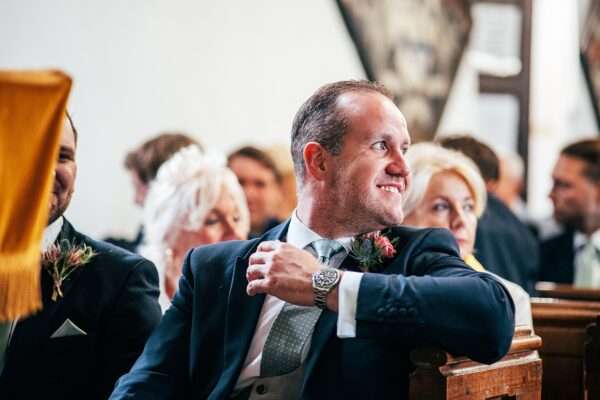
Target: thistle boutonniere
{"x": 61, "y": 259}
{"x": 372, "y": 249}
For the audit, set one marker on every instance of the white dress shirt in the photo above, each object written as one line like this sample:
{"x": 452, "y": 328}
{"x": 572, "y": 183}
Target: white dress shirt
{"x": 580, "y": 239}
{"x": 301, "y": 236}
{"x": 583, "y": 262}
{"x": 51, "y": 233}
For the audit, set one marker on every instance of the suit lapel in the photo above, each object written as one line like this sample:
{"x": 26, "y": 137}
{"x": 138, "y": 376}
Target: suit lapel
{"x": 31, "y": 333}
{"x": 242, "y": 313}
{"x": 325, "y": 327}
{"x": 350, "y": 264}
{"x": 69, "y": 234}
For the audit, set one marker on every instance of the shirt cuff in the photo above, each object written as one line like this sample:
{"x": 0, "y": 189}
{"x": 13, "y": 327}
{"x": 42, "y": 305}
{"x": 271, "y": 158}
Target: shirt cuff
{"x": 347, "y": 299}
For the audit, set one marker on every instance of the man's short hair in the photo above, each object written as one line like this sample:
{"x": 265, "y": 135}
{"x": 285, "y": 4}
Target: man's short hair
{"x": 320, "y": 120}
{"x": 588, "y": 151}
{"x": 147, "y": 158}
{"x": 484, "y": 157}
{"x": 258, "y": 155}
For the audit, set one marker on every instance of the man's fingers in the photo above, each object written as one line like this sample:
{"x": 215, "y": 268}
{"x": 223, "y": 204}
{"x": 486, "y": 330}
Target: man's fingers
{"x": 259, "y": 258}
{"x": 269, "y": 245}
{"x": 255, "y": 271}
{"x": 257, "y": 286}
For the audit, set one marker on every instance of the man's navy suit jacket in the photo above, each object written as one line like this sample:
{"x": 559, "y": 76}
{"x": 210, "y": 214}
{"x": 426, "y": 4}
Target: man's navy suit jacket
{"x": 114, "y": 299}
{"x": 426, "y": 296}
{"x": 558, "y": 258}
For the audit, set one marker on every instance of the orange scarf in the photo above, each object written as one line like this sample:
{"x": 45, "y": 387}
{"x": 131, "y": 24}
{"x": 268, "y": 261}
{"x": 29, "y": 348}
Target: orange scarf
{"x": 32, "y": 111}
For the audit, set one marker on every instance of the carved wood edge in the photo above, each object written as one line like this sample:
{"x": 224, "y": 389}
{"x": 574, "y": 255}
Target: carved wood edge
{"x": 524, "y": 341}
{"x": 563, "y": 313}
{"x": 557, "y": 303}
{"x": 565, "y": 291}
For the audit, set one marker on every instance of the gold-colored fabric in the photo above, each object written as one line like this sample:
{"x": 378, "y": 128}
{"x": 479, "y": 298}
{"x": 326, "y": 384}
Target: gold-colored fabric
{"x": 32, "y": 111}
{"x": 472, "y": 262}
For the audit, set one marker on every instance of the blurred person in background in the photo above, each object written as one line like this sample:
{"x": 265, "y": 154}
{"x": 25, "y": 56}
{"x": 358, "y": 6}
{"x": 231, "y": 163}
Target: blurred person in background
{"x": 284, "y": 164}
{"x": 510, "y": 185}
{"x": 143, "y": 163}
{"x": 572, "y": 255}
{"x": 504, "y": 244}
{"x": 261, "y": 181}
{"x": 194, "y": 200}
{"x": 448, "y": 192}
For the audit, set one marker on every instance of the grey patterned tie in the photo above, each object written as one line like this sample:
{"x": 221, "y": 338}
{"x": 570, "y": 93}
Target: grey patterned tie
{"x": 293, "y": 326}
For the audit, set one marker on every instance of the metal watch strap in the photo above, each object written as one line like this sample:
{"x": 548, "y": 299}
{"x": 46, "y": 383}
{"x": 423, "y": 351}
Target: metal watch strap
{"x": 323, "y": 282}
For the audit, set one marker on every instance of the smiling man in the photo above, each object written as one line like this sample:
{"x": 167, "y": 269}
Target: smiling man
{"x": 290, "y": 315}
{"x": 92, "y": 332}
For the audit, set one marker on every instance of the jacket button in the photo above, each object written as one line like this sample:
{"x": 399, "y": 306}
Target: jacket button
{"x": 261, "y": 389}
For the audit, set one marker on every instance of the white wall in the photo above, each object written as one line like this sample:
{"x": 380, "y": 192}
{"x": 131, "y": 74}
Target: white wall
{"x": 236, "y": 72}
{"x": 228, "y": 72}
{"x": 560, "y": 109}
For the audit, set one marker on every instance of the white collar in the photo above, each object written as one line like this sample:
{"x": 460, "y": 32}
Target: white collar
{"x": 301, "y": 235}
{"x": 580, "y": 239}
{"x": 51, "y": 233}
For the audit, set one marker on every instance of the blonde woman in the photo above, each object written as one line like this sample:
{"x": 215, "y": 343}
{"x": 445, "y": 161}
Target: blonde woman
{"x": 448, "y": 191}
{"x": 194, "y": 200}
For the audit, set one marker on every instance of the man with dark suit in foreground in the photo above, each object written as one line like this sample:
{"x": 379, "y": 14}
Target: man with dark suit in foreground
{"x": 573, "y": 255}
{"x": 264, "y": 319}
{"x": 89, "y": 332}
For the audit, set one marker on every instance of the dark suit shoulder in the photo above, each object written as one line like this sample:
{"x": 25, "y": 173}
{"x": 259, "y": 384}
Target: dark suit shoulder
{"x": 558, "y": 239}
{"x": 111, "y": 256}
{"x": 219, "y": 254}
{"x": 560, "y": 245}
{"x": 556, "y": 258}
{"x": 113, "y": 269}
{"x": 437, "y": 240}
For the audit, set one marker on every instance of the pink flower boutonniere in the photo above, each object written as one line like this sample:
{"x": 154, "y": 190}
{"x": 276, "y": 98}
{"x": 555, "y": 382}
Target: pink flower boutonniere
{"x": 60, "y": 260}
{"x": 372, "y": 249}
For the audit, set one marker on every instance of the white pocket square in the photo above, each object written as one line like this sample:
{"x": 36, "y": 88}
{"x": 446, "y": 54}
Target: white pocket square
{"x": 68, "y": 328}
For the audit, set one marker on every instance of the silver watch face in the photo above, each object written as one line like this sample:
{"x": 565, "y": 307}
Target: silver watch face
{"x": 326, "y": 278}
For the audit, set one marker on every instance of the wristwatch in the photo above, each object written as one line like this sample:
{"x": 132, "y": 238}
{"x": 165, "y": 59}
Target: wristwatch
{"x": 323, "y": 282}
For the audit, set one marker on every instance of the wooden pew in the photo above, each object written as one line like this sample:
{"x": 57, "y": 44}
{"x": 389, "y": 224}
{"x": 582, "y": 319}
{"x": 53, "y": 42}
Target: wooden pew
{"x": 518, "y": 375}
{"x": 592, "y": 360}
{"x": 563, "y": 327}
{"x": 565, "y": 291}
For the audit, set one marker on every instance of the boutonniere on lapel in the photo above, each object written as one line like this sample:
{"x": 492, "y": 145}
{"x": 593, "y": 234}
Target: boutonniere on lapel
{"x": 61, "y": 259}
{"x": 372, "y": 249}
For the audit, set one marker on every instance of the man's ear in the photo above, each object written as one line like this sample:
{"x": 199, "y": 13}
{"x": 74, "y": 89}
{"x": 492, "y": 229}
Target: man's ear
{"x": 315, "y": 160}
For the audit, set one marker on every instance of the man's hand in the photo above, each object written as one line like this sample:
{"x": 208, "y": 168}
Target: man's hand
{"x": 284, "y": 271}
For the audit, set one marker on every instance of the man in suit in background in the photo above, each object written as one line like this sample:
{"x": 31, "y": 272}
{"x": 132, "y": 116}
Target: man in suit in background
{"x": 503, "y": 244}
{"x": 261, "y": 180}
{"x": 572, "y": 256}
{"x": 290, "y": 315}
{"x": 82, "y": 341}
